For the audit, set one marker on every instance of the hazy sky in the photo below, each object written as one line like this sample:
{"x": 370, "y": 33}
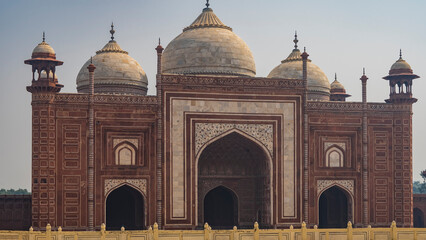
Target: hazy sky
{"x": 340, "y": 36}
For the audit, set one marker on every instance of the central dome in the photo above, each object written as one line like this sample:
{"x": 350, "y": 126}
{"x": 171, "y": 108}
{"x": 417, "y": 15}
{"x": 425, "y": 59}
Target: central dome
{"x": 208, "y": 47}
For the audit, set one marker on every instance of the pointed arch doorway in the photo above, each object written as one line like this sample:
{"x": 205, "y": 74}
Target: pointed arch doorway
{"x": 234, "y": 169}
{"x": 125, "y": 208}
{"x": 221, "y": 207}
{"x": 335, "y": 208}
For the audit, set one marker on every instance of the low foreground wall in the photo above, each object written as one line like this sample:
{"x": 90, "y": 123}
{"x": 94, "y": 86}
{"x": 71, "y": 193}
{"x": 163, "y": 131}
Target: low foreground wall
{"x": 303, "y": 233}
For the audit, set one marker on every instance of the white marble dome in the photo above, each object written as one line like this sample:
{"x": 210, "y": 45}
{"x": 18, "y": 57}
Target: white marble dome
{"x": 116, "y": 72}
{"x": 292, "y": 68}
{"x": 208, "y": 47}
{"x": 43, "y": 47}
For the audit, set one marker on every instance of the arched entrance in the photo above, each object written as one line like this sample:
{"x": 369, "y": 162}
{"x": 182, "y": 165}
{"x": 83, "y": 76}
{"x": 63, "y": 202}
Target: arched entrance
{"x": 221, "y": 208}
{"x": 418, "y": 218}
{"x": 334, "y": 208}
{"x": 125, "y": 207}
{"x": 235, "y": 162}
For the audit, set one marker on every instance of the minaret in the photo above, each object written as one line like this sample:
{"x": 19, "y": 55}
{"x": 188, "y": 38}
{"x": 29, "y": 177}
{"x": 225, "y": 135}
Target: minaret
{"x": 365, "y": 191}
{"x": 400, "y": 81}
{"x": 44, "y": 88}
{"x": 43, "y": 61}
{"x": 305, "y": 60}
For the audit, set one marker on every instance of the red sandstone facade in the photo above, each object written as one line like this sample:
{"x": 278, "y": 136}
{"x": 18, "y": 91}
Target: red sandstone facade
{"x": 60, "y": 150}
{"x": 227, "y": 150}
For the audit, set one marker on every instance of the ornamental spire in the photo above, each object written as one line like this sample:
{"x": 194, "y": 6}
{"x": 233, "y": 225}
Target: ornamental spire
{"x": 207, "y": 3}
{"x": 112, "y": 31}
{"x": 44, "y": 37}
{"x": 295, "y": 40}
{"x": 400, "y": 54}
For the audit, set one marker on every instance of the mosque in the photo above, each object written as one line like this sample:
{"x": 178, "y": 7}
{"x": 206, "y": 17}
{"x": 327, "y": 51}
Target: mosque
{"x": 216, "y": 143}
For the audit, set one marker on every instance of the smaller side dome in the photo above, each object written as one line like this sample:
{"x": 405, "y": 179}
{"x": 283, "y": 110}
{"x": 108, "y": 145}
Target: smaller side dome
{"x": 338, "y": 91}
{"x": 116, "y": 72}
{"x": 292, "y": 68}
{"x": 43, "y": 50}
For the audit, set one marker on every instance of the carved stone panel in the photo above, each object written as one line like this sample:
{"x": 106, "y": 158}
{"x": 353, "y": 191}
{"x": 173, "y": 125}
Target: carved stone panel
{"x": 346, "y": 184}
{"x": 139, "y": 184}
{"x": 207, "y": 131}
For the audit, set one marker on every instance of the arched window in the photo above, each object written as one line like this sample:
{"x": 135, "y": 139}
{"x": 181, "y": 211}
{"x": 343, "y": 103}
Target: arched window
{"x": 334, "y": 157}
{"x": 125, "y": 154}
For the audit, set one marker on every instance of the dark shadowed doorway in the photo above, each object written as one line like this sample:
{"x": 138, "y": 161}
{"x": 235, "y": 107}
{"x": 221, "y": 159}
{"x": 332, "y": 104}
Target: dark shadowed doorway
{"x": 333, "y": 208}
{"x": 124, "y": 207}
{"x": 221, "y": 208}
{"x": 418, "y": 218}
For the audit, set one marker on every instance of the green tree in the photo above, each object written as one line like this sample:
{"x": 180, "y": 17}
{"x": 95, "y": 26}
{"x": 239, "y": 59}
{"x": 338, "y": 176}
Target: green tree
{"x": 420, "y": 187}
{"x": 11, "y": 191}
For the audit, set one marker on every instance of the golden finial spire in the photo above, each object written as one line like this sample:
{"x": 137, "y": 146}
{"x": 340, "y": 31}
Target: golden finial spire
{"x": 295, "y": 40}
{"x": 112, "y": 31}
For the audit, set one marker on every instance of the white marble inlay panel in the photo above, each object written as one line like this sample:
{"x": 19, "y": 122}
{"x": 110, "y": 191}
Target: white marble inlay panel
{"x": 346, "y": 184}
{"x": 140, "y": 184}
{"x": 204, "y": 132}
{"x": 217, "y": 106}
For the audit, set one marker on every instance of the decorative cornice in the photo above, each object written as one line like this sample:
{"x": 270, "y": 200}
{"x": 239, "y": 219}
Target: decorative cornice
{"x": 104, "y": 98}
{"x": 214, "y": 81}
{"x": 357, "y": 106}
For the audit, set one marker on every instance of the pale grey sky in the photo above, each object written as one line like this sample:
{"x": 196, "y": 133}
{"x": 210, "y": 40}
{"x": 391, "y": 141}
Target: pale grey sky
{"x": 340, "y": 36}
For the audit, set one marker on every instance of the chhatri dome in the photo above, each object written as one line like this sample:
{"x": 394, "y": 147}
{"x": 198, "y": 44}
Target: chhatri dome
{"x": 43, "y": 50}
{"x": 292, "y": 68}
{"x": 116, "y": 72}
{"x": 208, "y": 47}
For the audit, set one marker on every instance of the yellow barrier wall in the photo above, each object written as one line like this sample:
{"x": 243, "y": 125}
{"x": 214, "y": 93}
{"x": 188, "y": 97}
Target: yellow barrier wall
{"x": 154, "y": 233}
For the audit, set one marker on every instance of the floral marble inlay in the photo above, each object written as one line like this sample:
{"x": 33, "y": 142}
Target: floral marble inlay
{"x": 139, "y": 184}
{"x": 346, "y": 184}
{"x": 207, "y": 131}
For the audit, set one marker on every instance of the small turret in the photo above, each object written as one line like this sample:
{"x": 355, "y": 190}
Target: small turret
{"x": 400, "y": 81}
{"x": 338, "y": 91}
{"x": 43, "y": 61}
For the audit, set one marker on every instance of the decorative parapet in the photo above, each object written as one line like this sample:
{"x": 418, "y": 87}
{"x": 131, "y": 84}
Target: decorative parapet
{"x": 215, "y": 81}
{"x": 357, "y": 106}
{"x": 99, "y": 98}
{"x": 153, "y": 233}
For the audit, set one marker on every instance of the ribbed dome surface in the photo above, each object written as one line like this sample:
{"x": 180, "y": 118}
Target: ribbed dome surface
{"x": 208, "y": 47}
{"x": 116, "y": 73}
{"x": 292, "y": 68}
{"x": 336, "y": 85}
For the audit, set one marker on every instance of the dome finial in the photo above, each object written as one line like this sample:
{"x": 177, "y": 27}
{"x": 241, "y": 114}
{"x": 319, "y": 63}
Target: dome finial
{"x": 400, "y": 53}
{"x": 295, "y": 40}
{"x": 335, "y": 76}
{"x": 112, "y": 31}
{"x": 44, "y": 37}
{"x": 363, "y": 71}
{"x": 159, "y": 41}
{"x": 207, "y": 3}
